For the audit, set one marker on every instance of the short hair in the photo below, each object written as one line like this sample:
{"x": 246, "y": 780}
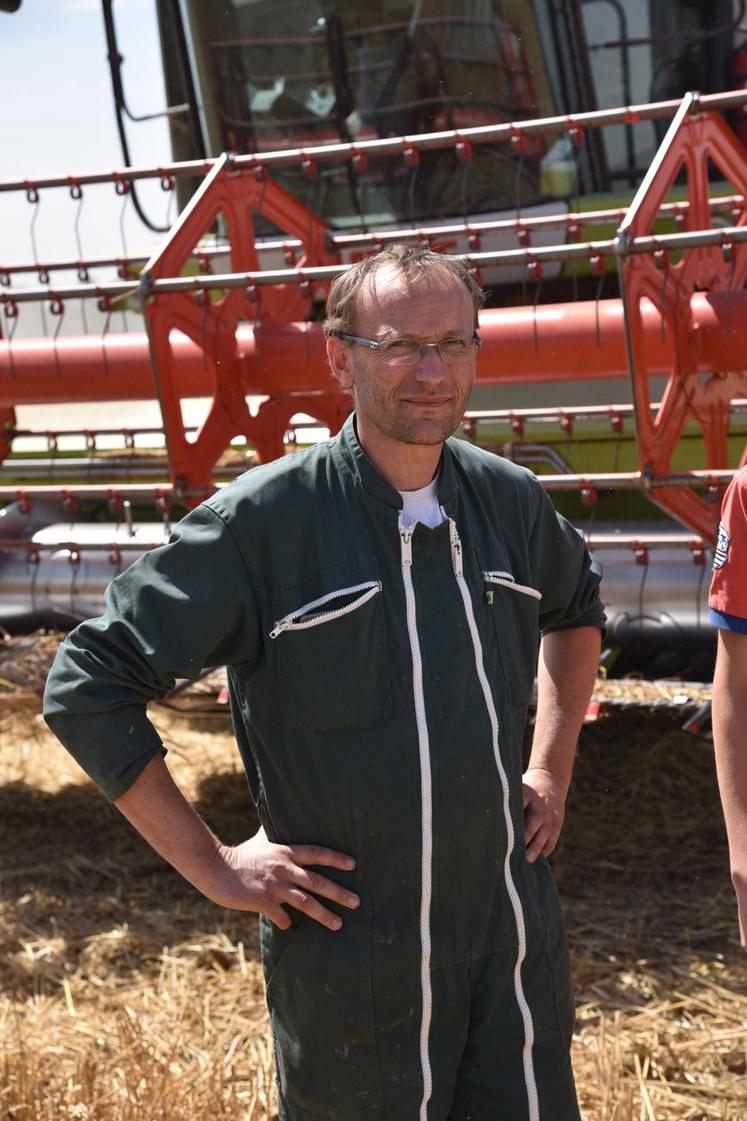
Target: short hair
{"x": 411, "y": 262}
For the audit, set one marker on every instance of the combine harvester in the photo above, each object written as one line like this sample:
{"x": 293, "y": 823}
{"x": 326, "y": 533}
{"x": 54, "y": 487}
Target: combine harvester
{"x": 615, "y": 336}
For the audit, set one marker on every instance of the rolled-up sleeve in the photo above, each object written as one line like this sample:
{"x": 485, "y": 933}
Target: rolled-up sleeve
{"x": 183, "y": 607}
{"x": 564, "y": 571}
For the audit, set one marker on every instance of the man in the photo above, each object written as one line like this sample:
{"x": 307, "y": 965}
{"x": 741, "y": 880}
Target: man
{"x": 728, "y": 603}
{"x": 379, "y": 601}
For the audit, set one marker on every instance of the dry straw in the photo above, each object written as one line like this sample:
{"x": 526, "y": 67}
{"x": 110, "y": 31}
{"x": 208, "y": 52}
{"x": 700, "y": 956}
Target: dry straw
{"x": 127, "y": 997}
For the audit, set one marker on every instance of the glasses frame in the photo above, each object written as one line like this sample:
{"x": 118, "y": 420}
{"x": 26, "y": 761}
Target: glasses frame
{"x": 374, "y": 344}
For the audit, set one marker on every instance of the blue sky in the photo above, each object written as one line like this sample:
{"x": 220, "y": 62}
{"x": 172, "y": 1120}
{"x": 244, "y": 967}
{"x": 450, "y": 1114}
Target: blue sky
{"x": 58, "y": 117}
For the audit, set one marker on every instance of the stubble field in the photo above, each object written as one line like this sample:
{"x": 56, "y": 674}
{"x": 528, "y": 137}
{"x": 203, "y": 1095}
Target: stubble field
{"x": 125, "y": 996}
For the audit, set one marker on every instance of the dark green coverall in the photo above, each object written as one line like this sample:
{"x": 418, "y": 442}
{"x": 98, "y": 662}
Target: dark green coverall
{"x": 379, "y": 680}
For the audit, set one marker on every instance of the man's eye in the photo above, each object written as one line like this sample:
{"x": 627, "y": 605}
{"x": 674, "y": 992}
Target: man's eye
{"x": 453, "y": 346}
{"x": 399, "y": 350}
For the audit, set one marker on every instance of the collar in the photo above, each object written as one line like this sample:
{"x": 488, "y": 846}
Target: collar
{"x": 348, "y": 447}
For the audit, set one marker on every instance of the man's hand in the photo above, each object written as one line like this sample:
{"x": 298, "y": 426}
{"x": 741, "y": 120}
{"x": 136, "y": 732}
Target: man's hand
{"x": 261, "y": 876}
{"x": 544, "y": 811}
{"x": 254, "y": 876}
{"x": 565, "y": 677}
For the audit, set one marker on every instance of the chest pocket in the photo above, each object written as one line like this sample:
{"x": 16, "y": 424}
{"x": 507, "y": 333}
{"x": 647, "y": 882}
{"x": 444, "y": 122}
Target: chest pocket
{"x": 514, "y": 608}
{"x": 330, "y": 641}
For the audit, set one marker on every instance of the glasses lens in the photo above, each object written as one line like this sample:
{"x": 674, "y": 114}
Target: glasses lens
{"x": 400, "y": 352}
{"x": 406, "y": 352}
{"x": 456, "y": 350}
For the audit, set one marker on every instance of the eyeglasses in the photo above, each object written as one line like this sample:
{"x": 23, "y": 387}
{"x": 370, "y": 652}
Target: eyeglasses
{"x": 406, "y": 352}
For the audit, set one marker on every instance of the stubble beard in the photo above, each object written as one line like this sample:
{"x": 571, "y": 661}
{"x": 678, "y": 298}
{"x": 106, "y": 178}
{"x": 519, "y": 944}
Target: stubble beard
{"x": 419, "y": 431}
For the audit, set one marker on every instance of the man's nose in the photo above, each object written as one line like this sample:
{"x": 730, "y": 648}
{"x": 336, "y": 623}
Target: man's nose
{"x": 430, "y": 367}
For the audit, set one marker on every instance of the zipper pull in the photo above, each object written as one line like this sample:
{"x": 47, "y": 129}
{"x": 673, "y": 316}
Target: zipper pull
{"x": 277, "y": 629}
{"x": 406, "y": 540}
{"x": 456, "y": 548}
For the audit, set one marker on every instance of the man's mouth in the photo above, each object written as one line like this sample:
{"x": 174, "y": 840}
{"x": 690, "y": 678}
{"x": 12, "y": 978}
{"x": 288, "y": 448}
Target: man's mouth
{"x": 431, "y": 402}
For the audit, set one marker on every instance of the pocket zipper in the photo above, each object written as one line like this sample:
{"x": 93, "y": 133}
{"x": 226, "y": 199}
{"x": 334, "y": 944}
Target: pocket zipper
{"x": 295, "y": 622}
{"x": 507, "y": 581}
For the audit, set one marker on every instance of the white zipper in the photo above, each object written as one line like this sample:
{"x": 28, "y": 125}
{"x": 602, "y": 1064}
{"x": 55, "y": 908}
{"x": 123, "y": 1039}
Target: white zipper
{"x": 426, "y": 795}
{"x": 526, "y": 1015}
{"x": 295, "y": 621}
{"x": 507, "y": 580}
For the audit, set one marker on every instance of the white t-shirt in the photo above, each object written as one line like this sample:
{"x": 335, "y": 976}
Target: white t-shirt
{"x": 422, "y": 506}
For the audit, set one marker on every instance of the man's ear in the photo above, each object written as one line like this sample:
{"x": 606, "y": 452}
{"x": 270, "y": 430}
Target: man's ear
{"x": 338, "y": 357}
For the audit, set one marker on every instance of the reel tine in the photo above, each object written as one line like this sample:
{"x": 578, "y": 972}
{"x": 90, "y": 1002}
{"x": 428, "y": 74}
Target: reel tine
{"x": 661, "y": 261}
{"x": 577, "y": 137}
{"x": 57, "y": 309}
{"x": 463, "y": 151}
{"x": 104, "y": 305}
{"x": 168, "y": 184}
{"x": 11, "y": 313}
{"x": 412, "y": 160}
{"x": 534, "y": 268}
{"x": 598, "y": 268}
{"x": 34, "y": 198}
{"x": 518, "y": 145}
{"x": 202, "y": 296}
{"x": 32, "y": 563}
{"x": 123, "y": 187}
{"x": 76, "y": 194}
{"x": 729, "y": 253}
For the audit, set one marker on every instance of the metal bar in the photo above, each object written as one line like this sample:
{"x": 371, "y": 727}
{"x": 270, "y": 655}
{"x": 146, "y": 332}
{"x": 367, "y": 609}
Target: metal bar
{"x": 720, "y": 204}
{"x": 426, "y": 141}
{"x": 692, "y": 239}
{"x": 19, "y": 545}
{"x": 90, "y": 491}
{"x": 581, "y": 412}
{"x": 725, "y": 203}
{"x": 634, "y": 480}
{"x": 499, "y": 259}
{"x": 647, "y": 541}
{"x": 60, "y": 433}
{"x": 620, "y": 480}
{"x": 686, "y": 107}
{"x": 475, "y": 416}
{"x": 134, "y": 468}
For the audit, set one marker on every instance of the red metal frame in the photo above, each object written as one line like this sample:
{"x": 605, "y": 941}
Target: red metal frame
{"x": 695, "y": 143}
{"x": 683, "y": 318}
{"x": 211, "y": 324}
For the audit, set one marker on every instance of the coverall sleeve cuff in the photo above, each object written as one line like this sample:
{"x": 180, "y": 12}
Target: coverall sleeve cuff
{"x": 594, "y": 617}
{"x": 129, "y": 739}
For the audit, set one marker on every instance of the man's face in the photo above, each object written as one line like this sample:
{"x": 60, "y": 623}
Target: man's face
{"x": 418, "y": 404}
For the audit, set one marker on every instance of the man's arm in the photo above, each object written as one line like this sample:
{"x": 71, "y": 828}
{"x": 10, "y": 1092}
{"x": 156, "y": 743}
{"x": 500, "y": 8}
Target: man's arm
{"x": 729, "y": 724}
{"x": 568, "y": 665}
{"x": 256, "y": 875}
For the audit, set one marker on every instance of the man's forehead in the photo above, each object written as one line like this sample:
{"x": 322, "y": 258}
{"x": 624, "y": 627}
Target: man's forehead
{"x": 388, "y": 294}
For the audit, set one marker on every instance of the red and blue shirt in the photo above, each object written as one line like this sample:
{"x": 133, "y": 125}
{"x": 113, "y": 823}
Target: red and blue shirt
{"x": 728, "y": 595}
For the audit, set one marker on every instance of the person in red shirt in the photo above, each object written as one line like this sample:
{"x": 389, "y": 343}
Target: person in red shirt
{"x": 728, "y": 604}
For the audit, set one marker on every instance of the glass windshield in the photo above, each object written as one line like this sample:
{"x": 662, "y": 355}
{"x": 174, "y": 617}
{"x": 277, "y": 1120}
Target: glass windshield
{"x": 293, "y": 73}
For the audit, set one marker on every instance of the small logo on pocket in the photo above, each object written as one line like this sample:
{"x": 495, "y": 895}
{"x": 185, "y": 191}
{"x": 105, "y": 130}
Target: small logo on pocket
{"x": 722, "y": 547}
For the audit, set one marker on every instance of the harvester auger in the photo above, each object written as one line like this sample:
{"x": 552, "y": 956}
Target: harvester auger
{"x": 674, "y": 345}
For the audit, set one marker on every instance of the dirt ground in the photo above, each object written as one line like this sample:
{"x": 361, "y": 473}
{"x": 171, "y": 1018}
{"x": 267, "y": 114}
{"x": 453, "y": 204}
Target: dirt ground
{"x": 125, "y": 996}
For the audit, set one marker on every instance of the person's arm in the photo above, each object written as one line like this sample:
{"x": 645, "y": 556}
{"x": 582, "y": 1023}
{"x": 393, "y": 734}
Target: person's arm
{"x": 729, "y": 714}
{"x": 256, "y": 875}
{"x": 184, "y": 606}
{"x": 565, "y": 678}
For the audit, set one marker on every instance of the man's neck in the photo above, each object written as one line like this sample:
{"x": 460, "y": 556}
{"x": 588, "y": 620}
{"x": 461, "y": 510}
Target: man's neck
{"x": 405, "y": 466}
